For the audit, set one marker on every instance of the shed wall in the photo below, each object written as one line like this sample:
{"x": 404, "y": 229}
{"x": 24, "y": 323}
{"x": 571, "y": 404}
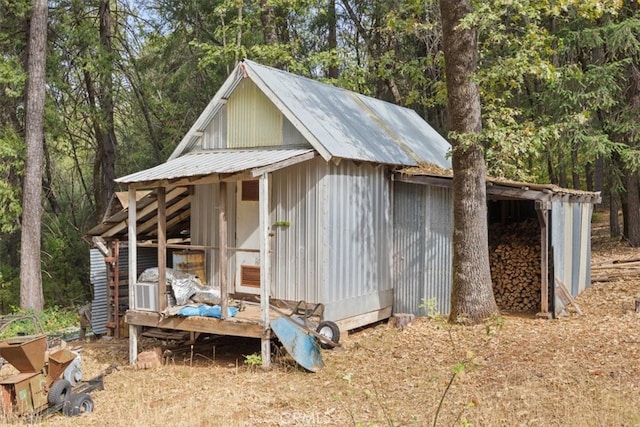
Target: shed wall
{"x": 296, "y": 195}
{"x": 336, "y": 249}
{"x": 205, "y": 230}
{"x": 571, "y": 244}
{"x": 423, "y": 248}
{"x": 252, "y": 119}
{"x": 358, "y": 222}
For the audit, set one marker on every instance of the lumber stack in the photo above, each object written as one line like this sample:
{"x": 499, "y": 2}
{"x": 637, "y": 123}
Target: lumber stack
{"x": 515, "y": 265}
{"x": 615, "y": 269}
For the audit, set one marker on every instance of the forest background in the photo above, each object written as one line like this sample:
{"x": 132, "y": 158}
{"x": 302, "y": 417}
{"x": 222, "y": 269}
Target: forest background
{"x": 559, "y": 82}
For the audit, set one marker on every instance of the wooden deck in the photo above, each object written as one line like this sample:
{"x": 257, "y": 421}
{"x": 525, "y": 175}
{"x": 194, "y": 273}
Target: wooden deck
{"x": 246, "y": 323}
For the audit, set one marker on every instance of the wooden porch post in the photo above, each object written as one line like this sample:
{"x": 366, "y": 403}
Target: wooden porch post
{"x": 265, "y": 268}
{"x": 133, "y": 268}
{"x": 542, "y": 209}
{"x": 162, "y": 249}
{"x": 222, "y": 244}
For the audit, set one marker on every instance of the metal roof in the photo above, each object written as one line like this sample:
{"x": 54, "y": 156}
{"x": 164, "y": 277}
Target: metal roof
{"x": 338, "y": 123}
{"x": 205, "y": 163}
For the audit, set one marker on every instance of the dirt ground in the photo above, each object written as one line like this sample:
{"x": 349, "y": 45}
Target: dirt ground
{"x": 515, "y": 370}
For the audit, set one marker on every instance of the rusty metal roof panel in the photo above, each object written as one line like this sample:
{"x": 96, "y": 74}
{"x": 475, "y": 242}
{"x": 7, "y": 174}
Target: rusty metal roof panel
{"x": 203, "y": 163}
{"x": 344, "y": 124}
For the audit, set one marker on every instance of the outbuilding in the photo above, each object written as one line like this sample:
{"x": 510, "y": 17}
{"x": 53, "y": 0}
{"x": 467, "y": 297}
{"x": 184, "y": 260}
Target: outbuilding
{"x": 287, "y": 190}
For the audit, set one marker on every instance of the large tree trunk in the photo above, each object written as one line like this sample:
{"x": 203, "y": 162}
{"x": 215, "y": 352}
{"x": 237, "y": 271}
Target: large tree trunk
{"x": 108, "y": 142}
{"x": 632, "y": 210}
{"x": 472, "y": 298}
{"x": 31, "y": 297}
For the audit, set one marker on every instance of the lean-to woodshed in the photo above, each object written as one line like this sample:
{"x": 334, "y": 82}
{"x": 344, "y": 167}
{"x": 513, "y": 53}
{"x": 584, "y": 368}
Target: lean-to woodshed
{"x": 545, "y": 229}
{"x": 289, "y": 183}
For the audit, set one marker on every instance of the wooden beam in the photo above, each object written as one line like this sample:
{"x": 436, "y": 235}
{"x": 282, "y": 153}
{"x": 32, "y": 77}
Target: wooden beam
{"x": 364, "y": 319}
{"x": 150, "y": 223}
{"x": 162, "y": 250}
{"x": 543, "y": 219}
{"x": 283, "y": 164}
{"x": 208, "y": 325}
{"x": 133, "y": 263}
{"x": 148, "y": 209}
{"x": 222, "y": 255}
{"x": 265, "y": 268}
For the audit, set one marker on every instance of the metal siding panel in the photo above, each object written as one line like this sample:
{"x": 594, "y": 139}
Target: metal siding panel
{"x": 215, "y": 136}
{"x": 99, "y": 304}
{"x": 576, "y": 249}
{"x": 205, "y": 230}
{"x": 585, "y": 247}
{"x": 423, "y": 236}
{"x": 291, "y": 135}
{"x": 298, "y": 272}
{"x": 359, "y": 221}
{"x": 558, "y": 219}
{"x": 252, "y": 120}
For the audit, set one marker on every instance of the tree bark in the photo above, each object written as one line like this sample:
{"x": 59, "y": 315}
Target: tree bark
{"x": 31, "y": 297}
{"x": 109, "y": 141}
{"x": 332, "y": 38}
{"x": 472, "y": 298}
{"x": 632, "y": 211}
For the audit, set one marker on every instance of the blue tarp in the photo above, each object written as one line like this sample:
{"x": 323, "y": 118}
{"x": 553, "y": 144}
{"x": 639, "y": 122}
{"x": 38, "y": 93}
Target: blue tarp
{"x": 207, "y": 311}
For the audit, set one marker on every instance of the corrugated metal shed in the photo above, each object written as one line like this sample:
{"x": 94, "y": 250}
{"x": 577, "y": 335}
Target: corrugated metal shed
{"x": 338, "y": 123}
{"x": 203, "y": 163}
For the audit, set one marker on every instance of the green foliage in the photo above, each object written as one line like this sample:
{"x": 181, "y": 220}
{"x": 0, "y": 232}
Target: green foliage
{"x": 12, "y": 154}
{"x": 253, "y": 361}
{"x": 431, "y": 308}
{"x": 52, "y": 320}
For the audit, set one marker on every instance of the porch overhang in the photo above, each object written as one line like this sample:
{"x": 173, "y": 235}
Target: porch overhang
{"x": 205, "y": 167}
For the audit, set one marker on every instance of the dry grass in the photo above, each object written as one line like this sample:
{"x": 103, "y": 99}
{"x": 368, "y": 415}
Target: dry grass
{"x": 518, "y": 371}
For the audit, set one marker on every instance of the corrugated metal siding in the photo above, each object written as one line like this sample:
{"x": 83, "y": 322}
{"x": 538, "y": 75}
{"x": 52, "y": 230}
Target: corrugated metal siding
{"x": 215, "y": 136}
{"x": 147, "y": 258}
{"x": 358, "y": 239}
{"x": 423, "y": 247}
{"x": 252, "y": 119}
{"x": 296, "y": 196}
{"x": 570, "y": 239}
{"x": 205, "y": 231}
{"x": 98, "y": 278}
{"x": 291, "y": 135}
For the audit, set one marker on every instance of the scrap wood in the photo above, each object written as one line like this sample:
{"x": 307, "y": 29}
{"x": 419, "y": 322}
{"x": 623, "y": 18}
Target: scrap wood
{"x": 566, "y": 297}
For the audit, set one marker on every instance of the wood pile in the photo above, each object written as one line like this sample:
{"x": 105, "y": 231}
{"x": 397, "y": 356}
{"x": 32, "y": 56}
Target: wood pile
{"x": 615, "y": 269}
{"x": 515, "y": 265}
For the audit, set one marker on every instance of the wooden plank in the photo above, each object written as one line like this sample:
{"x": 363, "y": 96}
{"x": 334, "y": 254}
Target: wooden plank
{"x": 364, "y": 319}
{"x": 222, "y": 255}
{"x": 265, "y": 268}
{"x": 566, "y": 297}
{"x": 133, "y": 263}
{"x": 162, "y": 250}
{"x": 208, "y": 325}
{"x": 283, "y": 164}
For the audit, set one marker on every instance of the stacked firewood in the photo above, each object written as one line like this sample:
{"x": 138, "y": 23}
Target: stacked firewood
{"x": 515, "y": 265}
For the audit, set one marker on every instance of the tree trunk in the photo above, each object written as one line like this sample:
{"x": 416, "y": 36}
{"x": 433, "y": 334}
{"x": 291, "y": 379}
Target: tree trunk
{"x": 332, "y": 38}
{"x": 31, "y": 297}
{"x": 632, "y": 210}
{"x": 472, "y": 298}
{"x": 108, "y": 142}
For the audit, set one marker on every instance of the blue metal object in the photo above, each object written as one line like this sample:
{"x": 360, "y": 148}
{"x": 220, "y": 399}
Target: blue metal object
{"x": 299, "y": 342}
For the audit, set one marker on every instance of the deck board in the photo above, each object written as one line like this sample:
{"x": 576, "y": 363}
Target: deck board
{"x": 247, "y": 323}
